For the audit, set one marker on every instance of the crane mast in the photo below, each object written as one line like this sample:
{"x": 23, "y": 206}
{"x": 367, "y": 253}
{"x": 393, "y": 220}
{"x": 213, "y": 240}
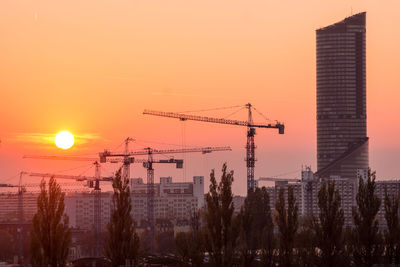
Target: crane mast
{"x": 96, "y": 192}
{"x": 20, "y": 219}
{"x": 127, "y": 158}
{"x": 148, "y": 164}
{"x": 150, "y": 197}
{"x": 97, "y": 211}
{"x": 250, "y": 151}
{"x": 251, "y": 131}
{"x": 20, "y": 208}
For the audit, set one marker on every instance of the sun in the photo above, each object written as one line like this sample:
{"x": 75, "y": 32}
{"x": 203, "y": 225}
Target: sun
{"x": 64, "y": 140}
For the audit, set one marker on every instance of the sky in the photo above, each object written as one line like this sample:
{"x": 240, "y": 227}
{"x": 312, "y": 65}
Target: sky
{"x": 92, "y": 67}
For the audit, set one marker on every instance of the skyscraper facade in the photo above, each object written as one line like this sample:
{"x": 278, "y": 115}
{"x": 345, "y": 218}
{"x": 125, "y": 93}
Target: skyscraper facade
{"x": 342, "y": 142}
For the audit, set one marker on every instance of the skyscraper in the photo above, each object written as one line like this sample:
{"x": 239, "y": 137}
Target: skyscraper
{"x": 342, "y": 142}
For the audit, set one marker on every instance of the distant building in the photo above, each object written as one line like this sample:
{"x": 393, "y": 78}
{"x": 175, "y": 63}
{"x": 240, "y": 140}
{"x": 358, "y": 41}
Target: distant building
{"x": 171, "y": 200}
{"x": 306, "y": 194}
{"x": 273, "y": 193}
{"x": 342, "y": 142}
{"x": 9, "y": 203}
{"x": 238, "y": 202}
{"x": 392, "y": 188}
{"x": 80, "y": 209}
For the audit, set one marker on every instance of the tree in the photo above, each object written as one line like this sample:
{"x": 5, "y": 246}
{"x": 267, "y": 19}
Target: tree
{"x": 367, "y": 248}
{"x": 287, "y": 221}
{"x": 306, "y": 244}
{"x": 7, "y": 245}
{"x": 329, "y": 225}
{"x": 121, "y": 242}
{"x": 256, "y": 228}
{"x": 220, "y": 234}
{"x": 50, "y": 234}
{"x": 190, "y": 246}
{"x": 392, "y": 233}
{"x": 182, "y": 247}
{"x": 268, "y": 247}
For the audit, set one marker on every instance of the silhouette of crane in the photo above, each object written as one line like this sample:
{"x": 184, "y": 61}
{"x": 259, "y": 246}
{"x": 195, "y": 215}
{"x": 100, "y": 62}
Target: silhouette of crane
{"x": 148, "y": 164}
{"x": 93, "y": 182}
{"x": 127, "y": 158}
{"x": 251, "y": 131}
{"x": 20, "y": 203}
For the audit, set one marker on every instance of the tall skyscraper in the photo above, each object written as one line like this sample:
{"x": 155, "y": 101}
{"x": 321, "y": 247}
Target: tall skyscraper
{"x": 342, "y": 142}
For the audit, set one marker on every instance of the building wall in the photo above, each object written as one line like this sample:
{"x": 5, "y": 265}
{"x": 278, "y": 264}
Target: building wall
{"x": 9, "y": 206}
{"x": 393, "y": 190}
{"x": 171, "y": 200}
{"x": 341, "y": 98}
{"x": 81, "y": 208}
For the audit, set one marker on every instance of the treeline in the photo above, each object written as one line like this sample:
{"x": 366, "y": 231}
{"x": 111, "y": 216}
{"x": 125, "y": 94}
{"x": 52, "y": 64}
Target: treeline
{"x": 258, "y": 237}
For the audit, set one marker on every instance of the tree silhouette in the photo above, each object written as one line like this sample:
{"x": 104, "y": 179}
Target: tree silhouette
{"x": 392, "y": 233}
{"x": 368, "y": 247}
{"x": 287, "y": 221}
{"x": 329, "y": 225}
{"x": 256, "y": 228}
{"x": 220, "y": 234}
{"x": 7, "y": 245}
{"x": 50, "y": 235}
{"x": 305, "y": 244}
{"x": 121, "y": 242}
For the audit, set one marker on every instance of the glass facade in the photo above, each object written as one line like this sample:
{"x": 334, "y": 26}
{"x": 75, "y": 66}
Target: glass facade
{"x": 342, "y": 143}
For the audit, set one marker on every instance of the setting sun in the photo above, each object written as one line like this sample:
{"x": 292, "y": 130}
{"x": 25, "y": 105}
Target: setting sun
{"x": 64, "y": 140}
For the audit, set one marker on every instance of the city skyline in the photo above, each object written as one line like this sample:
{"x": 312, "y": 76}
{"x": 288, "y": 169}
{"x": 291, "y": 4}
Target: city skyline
{"x": 79, "y": 69}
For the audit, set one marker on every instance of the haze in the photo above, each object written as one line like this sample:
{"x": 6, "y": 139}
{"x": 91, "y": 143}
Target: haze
{"x": 92, "y": 67}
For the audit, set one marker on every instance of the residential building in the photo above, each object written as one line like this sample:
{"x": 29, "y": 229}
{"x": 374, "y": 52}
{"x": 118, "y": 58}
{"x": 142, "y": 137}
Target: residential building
{"x": 171, "y": 200}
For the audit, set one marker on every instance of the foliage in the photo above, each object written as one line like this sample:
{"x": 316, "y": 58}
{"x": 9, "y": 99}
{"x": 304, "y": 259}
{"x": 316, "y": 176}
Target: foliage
{"x": 121, "y": 242}
{"x": 50, "y": 235}
{"x": 182, "y": 247}
{"x": 306, "y": 244}
{"x": 255, "y": 228}
{"x": 329, "y": 225}
{"x": 349, "y": 241}
{"x": 392, "y": 234}
{"x": 287, "y": 221}
{"x": 368, "y": 246}
{"x": 220, "y": 234}
{"x": 268, "y": 247}
{"x": 190, "y": 246}
{"x": 7, "y": 245}
{"x": 165, "y": 242}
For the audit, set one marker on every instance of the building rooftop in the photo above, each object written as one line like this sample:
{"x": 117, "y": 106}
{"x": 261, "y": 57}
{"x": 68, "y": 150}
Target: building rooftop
{"x": 341, "y": 26}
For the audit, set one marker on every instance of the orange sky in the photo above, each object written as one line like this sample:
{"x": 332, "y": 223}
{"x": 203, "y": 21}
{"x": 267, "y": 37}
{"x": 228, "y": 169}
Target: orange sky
{"x": 91, "y": 67}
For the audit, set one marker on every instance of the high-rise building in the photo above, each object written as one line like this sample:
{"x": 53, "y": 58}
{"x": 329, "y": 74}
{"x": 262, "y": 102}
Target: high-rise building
{"x": 342, "y": 142}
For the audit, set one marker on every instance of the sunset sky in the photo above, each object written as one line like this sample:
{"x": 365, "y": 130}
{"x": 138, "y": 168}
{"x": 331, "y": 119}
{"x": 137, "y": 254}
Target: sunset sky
{"x": 92, "y": 67}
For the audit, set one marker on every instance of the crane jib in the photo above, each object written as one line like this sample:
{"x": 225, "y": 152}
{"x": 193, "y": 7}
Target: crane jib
{"x": 184, "y": 117}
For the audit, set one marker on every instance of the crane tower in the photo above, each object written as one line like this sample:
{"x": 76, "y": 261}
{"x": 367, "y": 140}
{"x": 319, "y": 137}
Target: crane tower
{"x": 251, "y": 131}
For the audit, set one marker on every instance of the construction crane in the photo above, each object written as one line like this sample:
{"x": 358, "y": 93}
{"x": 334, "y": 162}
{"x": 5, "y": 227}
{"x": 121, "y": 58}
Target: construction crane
{"x": 148, "y": 164}
{"x": 128, "y": 157}
{"x": 20, "y": 210}
{"x": 251, "y": 131}
{"x": 93, "y": 182}
{"x": 279, "y": 179}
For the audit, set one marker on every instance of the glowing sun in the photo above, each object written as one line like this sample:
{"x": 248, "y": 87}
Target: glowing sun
{"x": 64, "y": 140}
